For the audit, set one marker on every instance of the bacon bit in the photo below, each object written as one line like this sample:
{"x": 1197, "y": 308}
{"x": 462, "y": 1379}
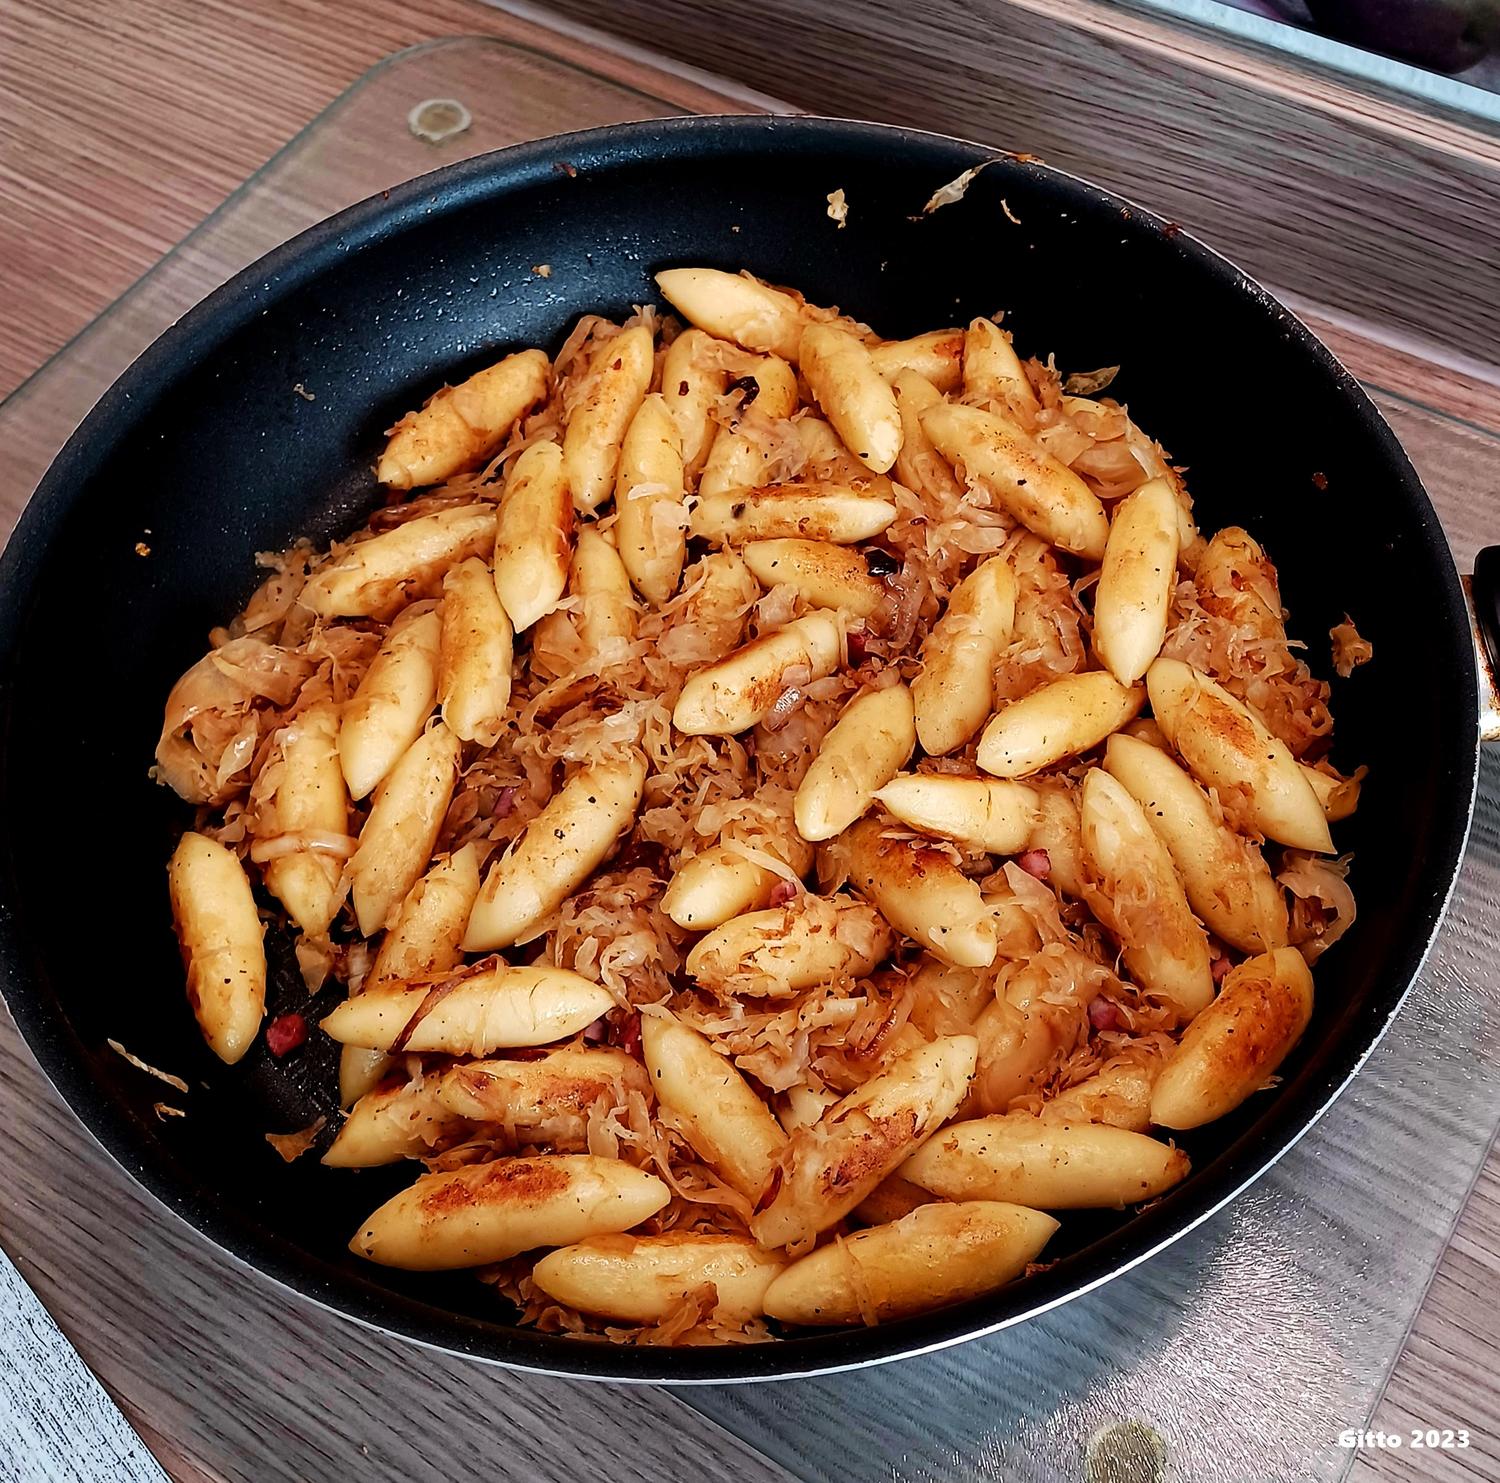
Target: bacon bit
{"x": 564, "y": 168}
{"x": 597, "y": 1033}
{"x": 1320, "y": 482}
{"x": 782, "y": 892}
{"x": 644, "y": 854}
{"x": 1219, "y": 968}
{"x": 859, "y": 646}
{"x": 625, "y": 1032}
{"x": 1037, "y": 863}
{"x": 505, "y": 804}
{"x": 142, "y": 549}
{"x": 285, "y": 1033}
{"x": 1104, "y": 1014}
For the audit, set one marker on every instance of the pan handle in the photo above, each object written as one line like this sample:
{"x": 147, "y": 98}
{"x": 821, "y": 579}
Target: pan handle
{"x": 1484, "y": 611}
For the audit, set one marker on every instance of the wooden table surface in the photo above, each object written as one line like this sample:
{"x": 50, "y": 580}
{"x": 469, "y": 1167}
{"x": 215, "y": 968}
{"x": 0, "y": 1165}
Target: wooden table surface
{"x": 120, "y": 128}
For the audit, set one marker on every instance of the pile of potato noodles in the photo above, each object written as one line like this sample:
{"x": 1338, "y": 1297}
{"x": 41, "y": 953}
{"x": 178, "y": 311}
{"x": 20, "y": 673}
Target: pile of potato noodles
{"x": 792, "y": 811}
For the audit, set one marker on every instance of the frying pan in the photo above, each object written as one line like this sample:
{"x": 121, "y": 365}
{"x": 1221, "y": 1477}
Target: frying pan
{"x": 206, "y": 451}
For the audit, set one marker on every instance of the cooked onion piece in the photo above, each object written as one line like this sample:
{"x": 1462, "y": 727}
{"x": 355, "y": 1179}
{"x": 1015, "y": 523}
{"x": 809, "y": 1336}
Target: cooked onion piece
{"x": 1339, "y": 796}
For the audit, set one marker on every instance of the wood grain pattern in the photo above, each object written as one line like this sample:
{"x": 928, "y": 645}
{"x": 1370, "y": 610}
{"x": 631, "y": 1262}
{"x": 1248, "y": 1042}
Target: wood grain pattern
{"x": 122, "y": 126}
{"x": 259, "y": 1372}
{"x": 1445, "y": 1377}
{"x": 56, "y": 1419}
{"x": 1364, "y": 204}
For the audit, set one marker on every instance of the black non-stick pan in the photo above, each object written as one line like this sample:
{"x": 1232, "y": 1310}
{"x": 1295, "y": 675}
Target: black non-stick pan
{"x": 206, "y": 452}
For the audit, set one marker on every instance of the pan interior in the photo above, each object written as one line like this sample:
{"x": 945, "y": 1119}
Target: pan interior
{"x": 208, "y": 445}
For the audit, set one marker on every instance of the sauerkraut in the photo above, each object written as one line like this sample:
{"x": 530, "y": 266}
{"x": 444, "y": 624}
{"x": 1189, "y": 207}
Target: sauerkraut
{"x": 799, "y": 1047}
